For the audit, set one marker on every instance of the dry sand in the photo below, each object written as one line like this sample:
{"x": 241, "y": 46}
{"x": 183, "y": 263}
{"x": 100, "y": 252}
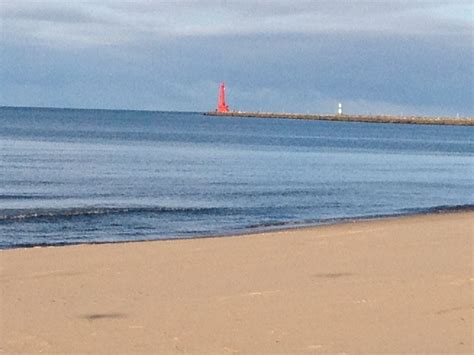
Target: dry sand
{"x": 395, "y": 285}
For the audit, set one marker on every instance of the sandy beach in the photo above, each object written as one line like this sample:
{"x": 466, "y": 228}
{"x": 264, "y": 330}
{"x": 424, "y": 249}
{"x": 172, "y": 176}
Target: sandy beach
{"x": 393, "y": 285}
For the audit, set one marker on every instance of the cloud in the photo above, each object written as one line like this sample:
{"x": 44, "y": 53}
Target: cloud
{"x": 375, "y": 56}
{"x": 103, "y": 22}
{"x": 45, "y": 12}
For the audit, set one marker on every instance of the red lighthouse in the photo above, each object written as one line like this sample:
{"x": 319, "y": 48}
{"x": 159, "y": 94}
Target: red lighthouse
{"x": 221, "y": 106}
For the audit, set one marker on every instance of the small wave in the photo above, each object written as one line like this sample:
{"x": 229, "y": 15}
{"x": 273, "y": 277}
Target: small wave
{"x": 26, "y": 215}
{"x": 271, "y": 224}
{"x": 16, "y": 197}
{"x": 25, "y": 197}
{"x": 440, "y": 209}
{"x": 277, "y": 225}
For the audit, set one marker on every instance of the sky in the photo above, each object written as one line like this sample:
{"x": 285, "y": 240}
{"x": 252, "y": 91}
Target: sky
{"x": 375, "y": 57}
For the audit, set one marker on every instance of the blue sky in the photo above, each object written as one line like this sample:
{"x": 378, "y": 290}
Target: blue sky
{"x": 406, "y": 56}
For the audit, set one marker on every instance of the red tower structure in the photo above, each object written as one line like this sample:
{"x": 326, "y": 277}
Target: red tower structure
{"x": 221, "y": 105}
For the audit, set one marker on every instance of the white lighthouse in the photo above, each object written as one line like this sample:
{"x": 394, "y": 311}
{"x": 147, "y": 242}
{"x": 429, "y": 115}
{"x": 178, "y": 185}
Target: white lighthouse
{"x": 339, "y": 108}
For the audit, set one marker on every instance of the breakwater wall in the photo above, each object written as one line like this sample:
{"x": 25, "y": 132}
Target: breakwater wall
{"x": 465, "y": 121}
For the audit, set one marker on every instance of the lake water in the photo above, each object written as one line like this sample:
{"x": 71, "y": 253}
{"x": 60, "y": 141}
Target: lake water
{"x": 82, "y": 176}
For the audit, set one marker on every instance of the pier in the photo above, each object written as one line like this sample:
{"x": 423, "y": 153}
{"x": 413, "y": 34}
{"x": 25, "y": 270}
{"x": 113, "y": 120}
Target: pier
{"x": 454, "y": 121}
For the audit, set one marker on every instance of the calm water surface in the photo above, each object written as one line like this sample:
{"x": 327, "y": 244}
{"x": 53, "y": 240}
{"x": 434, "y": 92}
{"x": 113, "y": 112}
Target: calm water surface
{"x": 79, "y": 176}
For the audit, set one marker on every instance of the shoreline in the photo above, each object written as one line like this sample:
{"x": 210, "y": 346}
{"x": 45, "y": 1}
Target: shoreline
{"x": 277, "y": 227}
{"x": 399, "y": 285}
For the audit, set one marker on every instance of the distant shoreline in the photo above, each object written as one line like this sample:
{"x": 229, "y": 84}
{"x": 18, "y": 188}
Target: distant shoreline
{"x": 452, "y": 121}
{"x": 441, "y": 120}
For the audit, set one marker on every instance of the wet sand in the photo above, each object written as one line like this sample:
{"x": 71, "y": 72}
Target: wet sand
{"x": 394, "y": 285}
